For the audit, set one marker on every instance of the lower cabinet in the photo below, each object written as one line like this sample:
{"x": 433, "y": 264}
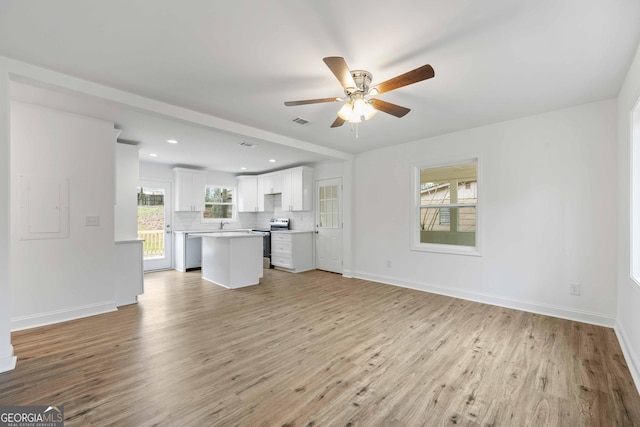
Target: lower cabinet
{"x": 292, "y": 250}
{"x": 129, "y": 275}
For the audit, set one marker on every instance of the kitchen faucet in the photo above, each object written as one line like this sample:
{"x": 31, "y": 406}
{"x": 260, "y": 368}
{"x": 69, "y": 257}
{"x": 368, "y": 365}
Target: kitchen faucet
{"x": 222, "y": 225}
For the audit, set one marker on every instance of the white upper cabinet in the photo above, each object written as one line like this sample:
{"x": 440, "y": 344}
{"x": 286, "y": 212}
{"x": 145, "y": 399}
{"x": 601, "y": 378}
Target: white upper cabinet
{"x": 248, "y": 194}
{"x": 295, "y": 185}
{"x": 297, "y": 189}
{"x": 189, "y": 189}
{"x": 271, "y": 183}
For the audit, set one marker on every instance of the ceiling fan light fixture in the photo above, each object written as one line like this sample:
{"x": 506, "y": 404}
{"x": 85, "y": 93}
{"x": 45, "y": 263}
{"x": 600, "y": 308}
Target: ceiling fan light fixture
{"x": 363, "y": 109}
{"x": 357, "y": 111}
{"x": 345, "y": 112}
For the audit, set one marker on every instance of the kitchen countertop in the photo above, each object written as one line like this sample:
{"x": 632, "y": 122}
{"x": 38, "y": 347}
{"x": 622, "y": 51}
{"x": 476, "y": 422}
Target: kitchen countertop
{"x": 135, "y": 240}
{"x": 230, "y": 230}
{"x": 292, "y": 231}
{"x": 228, "y": 234}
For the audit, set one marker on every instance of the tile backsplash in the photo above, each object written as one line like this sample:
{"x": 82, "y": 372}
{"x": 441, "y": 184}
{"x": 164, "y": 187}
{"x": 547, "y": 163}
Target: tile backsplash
{"x": 190, "y": 221}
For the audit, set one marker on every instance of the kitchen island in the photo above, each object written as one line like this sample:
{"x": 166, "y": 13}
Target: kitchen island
{"x": 231, "y": 259}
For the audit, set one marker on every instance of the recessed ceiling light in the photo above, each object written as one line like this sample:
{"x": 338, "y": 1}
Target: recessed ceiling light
{"x": 172, "y": 141}
{"x": 272, "y": 160}
{"x": 243, "y": 168}
{"x": 153, "y": 155}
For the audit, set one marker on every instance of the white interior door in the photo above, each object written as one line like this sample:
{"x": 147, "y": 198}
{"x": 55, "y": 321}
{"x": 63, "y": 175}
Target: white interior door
{"x": 154, "y": 224}
{"x": 329, "y": 225}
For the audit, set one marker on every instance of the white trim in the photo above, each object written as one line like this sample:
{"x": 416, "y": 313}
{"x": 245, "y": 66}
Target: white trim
{"x": 500, "y": 301}
{"x": 634, "y": 201}
{"x": 8, "y": 361}
{"x": 348, "y": 274}
{"x": 633, "y": 362}
{"x": 42, "y": 319}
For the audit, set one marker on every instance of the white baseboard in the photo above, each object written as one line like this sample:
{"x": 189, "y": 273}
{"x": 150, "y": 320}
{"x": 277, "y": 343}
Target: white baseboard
{"x": 631, "y": 357}
{"x": 347, "y": 273}
{"x": 517, "y": 304}
{"x": 48, "y": 318}
{"x": 8, "y": 361}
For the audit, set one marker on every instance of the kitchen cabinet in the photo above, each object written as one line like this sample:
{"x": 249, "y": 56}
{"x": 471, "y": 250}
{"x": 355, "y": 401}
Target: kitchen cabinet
{"x": 295, "y": 185}
{"x": 247, "y": 194}
{"x": 297, "y": 189}
{"x": 232, "y": 259}
{"x": 189, "y": 189}
{"x": 126, "y": 206}
{"x": 292, "y": 250}
{"x": 270, "y": 183}
{"x": 129, "y": 275}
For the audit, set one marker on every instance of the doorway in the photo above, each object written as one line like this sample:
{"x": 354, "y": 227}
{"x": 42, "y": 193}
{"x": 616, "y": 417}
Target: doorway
{"x": 329, "y": 225}
{"x": 154, "y": 224}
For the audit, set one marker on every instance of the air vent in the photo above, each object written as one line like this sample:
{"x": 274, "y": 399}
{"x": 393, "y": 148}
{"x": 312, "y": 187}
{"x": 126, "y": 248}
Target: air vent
{"x": 248, "y": 144}
{"x": 300, "y": 121}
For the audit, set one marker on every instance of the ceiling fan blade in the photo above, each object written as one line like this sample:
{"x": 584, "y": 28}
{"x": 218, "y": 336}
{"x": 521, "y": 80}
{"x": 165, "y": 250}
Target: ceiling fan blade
{"x": 414, "y": 76}
{"x": 339, "y": 68}
{"x": 338, "y": 122}
{"x": 311, "y": 101}
{"x": 389, "y": 108}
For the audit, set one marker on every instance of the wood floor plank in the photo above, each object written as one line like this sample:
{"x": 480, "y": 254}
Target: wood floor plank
{"x": 317, "y": 349}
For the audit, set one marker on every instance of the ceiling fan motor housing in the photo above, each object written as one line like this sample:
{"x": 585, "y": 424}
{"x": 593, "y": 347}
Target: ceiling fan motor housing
{"x": 362, "y": 80}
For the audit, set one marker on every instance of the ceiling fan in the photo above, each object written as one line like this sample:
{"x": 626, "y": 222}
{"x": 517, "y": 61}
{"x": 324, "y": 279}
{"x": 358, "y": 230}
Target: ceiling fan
{"x": 360, "y": 105}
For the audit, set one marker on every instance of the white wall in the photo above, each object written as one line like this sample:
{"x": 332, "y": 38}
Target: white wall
{"x": 63, "y": 278}
{"x": 628, "y": 319}
{"x": 126, "y": 208}
{"x": 548, "y": 206}
{"x": 7, "y": 358}
{"x": 155, "y": 171}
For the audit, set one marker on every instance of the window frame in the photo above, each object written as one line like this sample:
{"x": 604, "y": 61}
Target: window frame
{"x": 416, "y": 245}
{"x": 233, "y": 204}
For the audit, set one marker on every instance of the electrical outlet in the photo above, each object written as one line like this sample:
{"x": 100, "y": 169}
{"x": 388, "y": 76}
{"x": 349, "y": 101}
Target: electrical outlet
{"x": 574, "y": 289}
{"x": 92, "y": 221}
{"x": 388, "y": 264}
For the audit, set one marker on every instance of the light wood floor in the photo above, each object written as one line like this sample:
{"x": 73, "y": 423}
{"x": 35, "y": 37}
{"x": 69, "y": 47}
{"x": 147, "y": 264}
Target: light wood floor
{"x": 316, "y": 349}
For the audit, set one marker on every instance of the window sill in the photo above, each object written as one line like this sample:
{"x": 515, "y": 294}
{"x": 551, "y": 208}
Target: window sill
{"x": 447, "y": 249}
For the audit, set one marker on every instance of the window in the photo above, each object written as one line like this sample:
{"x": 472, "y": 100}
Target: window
{"x": 328, "y": 209}
{"x": 218, "y": 203}
{"x": 446, "y": 207}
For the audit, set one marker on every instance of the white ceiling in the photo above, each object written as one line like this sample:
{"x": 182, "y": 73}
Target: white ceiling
{"x": 199, "y": 146}
{"x": 240, "y": 60}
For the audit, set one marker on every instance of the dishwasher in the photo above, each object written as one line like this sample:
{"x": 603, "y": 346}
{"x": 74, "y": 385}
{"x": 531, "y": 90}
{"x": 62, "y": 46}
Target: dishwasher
{"x": 193, "y": 252}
